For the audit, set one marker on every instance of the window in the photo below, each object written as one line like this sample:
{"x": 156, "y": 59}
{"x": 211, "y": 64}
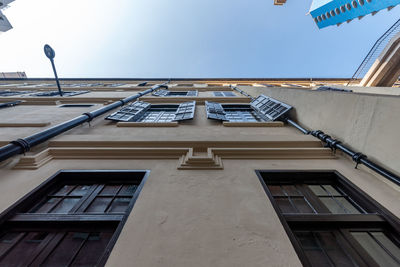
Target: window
{"x": 12, "y": 93}
{"x": 10, "y": 104}
{"x": 226, "y": 94}
{"x": 76, "y": 105}
{"x": 163, "y": 92}
{"x": 330, "y": 222}
{"x": 262, "y": 108}
{"x": 73, "y": 219}
{"x": 140, "y": 111}
{"x": 56, "y": 93}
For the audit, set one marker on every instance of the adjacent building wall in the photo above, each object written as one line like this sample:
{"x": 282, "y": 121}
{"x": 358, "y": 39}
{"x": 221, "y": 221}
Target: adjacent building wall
{"x": 367, "y": 123}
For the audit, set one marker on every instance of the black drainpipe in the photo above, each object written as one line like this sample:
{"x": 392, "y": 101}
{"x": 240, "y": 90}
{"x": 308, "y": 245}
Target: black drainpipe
{"x": 20, "y": 146}
{"x": 336, "y": 144}
{"x": 356, "y": 156}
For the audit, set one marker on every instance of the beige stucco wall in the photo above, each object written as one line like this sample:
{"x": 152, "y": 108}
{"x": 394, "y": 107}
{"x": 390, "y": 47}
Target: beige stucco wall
{"x": 367, "y": 123}
{"x": 200, "y": 217}
{"x": 208, "y": 217}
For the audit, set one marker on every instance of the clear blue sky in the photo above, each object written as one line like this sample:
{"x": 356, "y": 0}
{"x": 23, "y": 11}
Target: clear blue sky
{"x": 183, "y": 38}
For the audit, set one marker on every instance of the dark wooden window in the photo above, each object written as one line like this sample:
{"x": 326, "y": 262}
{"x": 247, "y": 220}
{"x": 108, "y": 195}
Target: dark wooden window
{"x": 56, "y": 93}
{"x": 73, "y": 219}
{"x": 140, "y": 111}
{"x": 224, "y": 93}
{"x": 331, "y": 222}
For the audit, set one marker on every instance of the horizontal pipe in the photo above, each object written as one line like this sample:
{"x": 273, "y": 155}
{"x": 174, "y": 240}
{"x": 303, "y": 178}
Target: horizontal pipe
{"x": 242, "y": 92}
{"x": 23, "y": 145}
{"x": 357, "y": 157}
{"x": 298, "y": 127}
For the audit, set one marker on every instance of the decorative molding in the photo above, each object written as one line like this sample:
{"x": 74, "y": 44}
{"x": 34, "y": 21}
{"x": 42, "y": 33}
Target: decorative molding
{"x": 253, "y": 124}
{"x": 24, "y": 124}
{"x": 211, "y": 158}
{"x": 148, "y": 124}
{"x": 200, "y": 162}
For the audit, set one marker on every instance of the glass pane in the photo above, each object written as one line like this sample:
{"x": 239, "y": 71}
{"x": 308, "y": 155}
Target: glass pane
{"x": 7, "y": 240}
{"x": 110, "y": 190}
{"x": 312, "y": 250}
{"x": 302, "y": 205}
{"x": 332, "y": 205}
{"x": 388, "y": 244}
{"x": 374, "y": 249}
{"x": 285, "y": 206}
{"x": 128, "y": 190}
{"x": 80, "y": 190}
{"x": 276, "y": 190}
{"x": 119, "y": 204}
{"x": 64, "y": 190}
{"x": 65, "y": 205}
{"x": 65, "y": 250}
{"x": 347, "y": 205}
{"x": 93, "y": 248}
{"x": 25, "y": 251}
{"x": 331, "y": 190}
{"x": 46, "y": 206}
{"x": 334, "y": 251}
{"x": 99, "y": 204}
{"x": 291, "y": 190}
{"x": 318, "y": 190}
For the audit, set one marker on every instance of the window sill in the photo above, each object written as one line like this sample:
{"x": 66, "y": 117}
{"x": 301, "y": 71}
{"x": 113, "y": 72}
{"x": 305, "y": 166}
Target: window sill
{"x": 253, "y": 124}
{"x": 22, "y": 124}
{"x": 147, "y": 124}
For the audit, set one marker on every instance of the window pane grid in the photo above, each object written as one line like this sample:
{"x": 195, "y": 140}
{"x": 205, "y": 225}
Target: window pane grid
{"x": 101, "y": 198}
{"x": 246, "y": 115}
{"x": 158, "y": 116}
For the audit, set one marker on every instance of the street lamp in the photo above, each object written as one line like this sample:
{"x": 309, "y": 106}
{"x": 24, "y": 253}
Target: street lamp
{"x": 49, "y": 52}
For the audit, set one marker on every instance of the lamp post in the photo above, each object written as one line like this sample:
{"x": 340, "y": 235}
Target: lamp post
{"x": 49, "y": 52}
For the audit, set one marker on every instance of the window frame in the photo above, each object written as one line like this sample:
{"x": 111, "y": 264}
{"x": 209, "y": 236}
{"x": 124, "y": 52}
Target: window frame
{"x": 378, "y": 219}
{"x": 10, "y": 218}
{"x": 224, "y": 94}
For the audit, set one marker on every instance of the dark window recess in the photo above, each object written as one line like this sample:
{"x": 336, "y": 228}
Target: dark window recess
{"x": 10, "y": 104}
{"x": 140, "y": 111}
{"x": 232, "y": 112}
{"x": 76, "y": 105}
{"x": 331, "y": 222}
{"x": 328, "y": 88}
{"x": 164, "y": 92}
{"x": 269, "y": 108}
{"x": 81, "y": 85}
{"x": 73, "y": 219}
{"x": 226, "y": 94}
{"x": 12, "y": 93}
{"x": 56, "y": 93}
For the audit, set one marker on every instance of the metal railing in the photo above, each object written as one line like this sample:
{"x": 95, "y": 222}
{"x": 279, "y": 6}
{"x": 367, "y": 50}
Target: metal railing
{"x": 374, "y": 53}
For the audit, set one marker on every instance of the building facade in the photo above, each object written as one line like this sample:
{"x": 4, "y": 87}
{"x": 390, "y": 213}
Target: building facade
{"x": 196, "y": 173}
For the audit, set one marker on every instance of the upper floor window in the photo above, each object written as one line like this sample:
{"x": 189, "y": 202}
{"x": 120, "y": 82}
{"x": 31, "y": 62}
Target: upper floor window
{"x": 261, "y": 109}
{"x": 56, "y": 93}
{"x": 163, "y": 92}
{"x": 12, "y": 93}
{"x": 330, "y": 221}
{"x": 225, "y": 93}
{"x": 73, "y": 219}
{"x": 145, "y": 112}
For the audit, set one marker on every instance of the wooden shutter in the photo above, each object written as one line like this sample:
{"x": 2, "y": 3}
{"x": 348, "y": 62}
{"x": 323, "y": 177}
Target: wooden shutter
{"x": 192, "y": 93}
{"x": 269, "y": 108}
{"x": 215, "y": 111}
{"x": 130, "y": 113}
{"x": 185, "y": 111}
